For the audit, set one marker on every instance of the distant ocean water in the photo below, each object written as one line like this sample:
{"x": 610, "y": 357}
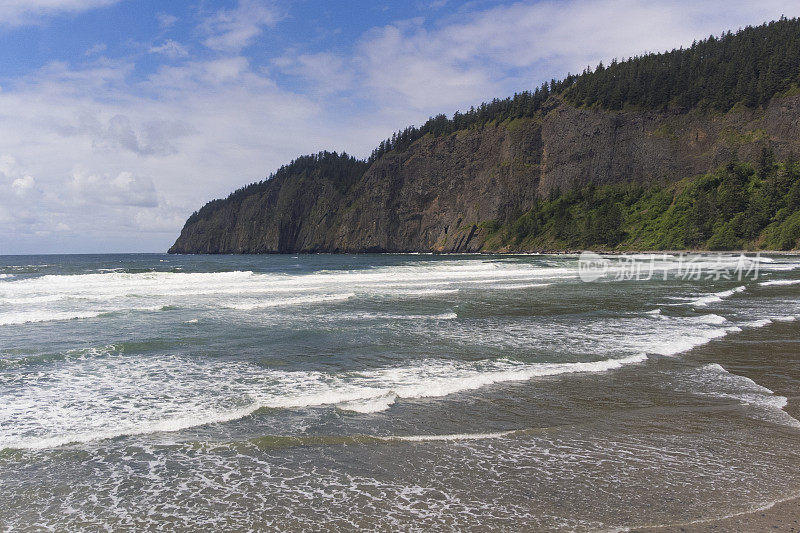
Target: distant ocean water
{"x": 153, "y": 392}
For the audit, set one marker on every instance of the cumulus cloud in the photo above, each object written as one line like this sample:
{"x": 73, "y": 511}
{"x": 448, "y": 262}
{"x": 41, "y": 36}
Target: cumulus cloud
{"x": 234, "y": 29}
{"x": 25, "y": 12}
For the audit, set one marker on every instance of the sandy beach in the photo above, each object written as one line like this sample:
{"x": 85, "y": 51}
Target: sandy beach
{"x": 773, "y": 362}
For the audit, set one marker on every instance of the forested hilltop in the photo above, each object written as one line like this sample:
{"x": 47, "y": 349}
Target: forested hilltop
{"x": 692, "y": 148}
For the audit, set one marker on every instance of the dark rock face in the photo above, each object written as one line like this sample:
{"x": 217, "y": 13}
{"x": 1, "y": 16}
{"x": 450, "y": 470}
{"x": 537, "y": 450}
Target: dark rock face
{"x": 441, "y": 193}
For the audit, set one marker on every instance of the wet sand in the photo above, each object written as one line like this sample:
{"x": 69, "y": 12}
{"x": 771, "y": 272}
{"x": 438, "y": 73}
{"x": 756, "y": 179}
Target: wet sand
{"x": 784, "y": 516}
{"x": 770, "y": 357}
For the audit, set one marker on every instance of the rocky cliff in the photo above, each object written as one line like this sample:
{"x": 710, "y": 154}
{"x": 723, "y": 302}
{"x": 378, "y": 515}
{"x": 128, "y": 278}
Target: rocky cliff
{"x": 445, "y": 193}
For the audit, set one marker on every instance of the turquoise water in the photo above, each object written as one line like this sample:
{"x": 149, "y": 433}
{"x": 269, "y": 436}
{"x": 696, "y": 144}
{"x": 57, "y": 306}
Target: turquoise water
{"x": 154, "y": 392}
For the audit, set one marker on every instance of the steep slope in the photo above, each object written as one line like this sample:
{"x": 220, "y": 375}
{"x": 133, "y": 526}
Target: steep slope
{"x": 452, "y": 184}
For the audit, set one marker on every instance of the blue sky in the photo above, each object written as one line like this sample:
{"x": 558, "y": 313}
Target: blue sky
{"x": 118, "y": 118}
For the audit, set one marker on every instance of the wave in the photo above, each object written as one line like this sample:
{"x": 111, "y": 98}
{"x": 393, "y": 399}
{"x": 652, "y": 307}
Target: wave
{"x": 424, "y": 292}
{"x": 394, "y": 316}
{"x": 760, "y": 323}
{"x": 276, "y": 441}
{"x": 167, "y": 425}
{"x": 182, "y": 394}
{"x": 690, "y": 341}
{"x": 514, "y": 286}
{"x": 711, "y": 319}
{"x": 716, "y": 297}
{"x": 29, "y": 317}
{"x": 419, "y": 277}
{"x": 451, "y": 437}
{"x": 300, "y": 300}
{"x": 32, "y": 317}
{"x": 378, "y": 390}
{"x": 715, "y": 381}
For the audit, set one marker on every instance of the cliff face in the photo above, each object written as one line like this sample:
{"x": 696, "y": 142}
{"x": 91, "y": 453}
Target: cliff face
{"x": 445, "y": 193}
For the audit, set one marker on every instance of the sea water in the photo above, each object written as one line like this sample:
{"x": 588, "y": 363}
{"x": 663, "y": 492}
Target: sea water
{"x": 155, "y": 392}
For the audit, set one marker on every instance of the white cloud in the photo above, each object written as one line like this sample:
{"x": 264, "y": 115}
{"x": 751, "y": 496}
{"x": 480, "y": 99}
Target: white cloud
{"x": 329, "y": 72}
{"x": 96, "y": 49}
{"x": 166, "y": 20}
{"x": 124, "y": 189}
{"x": 131, "y": 159}
{"x": 234, "y": 29}
{"x": 171, "y": 49}
{"x": 116, "y": 162}
{"x": 22, "y": 186}
{"x": 24, "y": 12}
{"x": 422, "y": 68}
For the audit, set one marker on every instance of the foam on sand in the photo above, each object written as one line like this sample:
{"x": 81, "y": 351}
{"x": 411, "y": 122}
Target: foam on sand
{"x": 451, "y": 437}
{"x": 713, "y": 380}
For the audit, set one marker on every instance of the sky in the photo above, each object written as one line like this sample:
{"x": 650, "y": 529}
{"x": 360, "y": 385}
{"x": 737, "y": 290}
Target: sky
{"x": 119, "y": 118}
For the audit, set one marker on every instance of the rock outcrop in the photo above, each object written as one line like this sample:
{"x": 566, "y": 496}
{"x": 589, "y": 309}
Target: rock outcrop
{"x": 444, "y": 194}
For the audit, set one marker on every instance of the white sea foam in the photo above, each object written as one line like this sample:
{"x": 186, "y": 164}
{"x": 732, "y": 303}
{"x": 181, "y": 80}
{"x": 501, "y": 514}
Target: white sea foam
{"x": 714, "y": 380}
{"x": 451, "y": 437}
{"x": 61, "y": 407}
{"x": 716, "y": 297}
{"x": 300, "y": 300}
{"x": 393, "y": 316}
{"x": 515, "y": 286}
{"x": 780, "y": 282}
{"x": 373, "y": 391}
{"x": 689, "y": 340}
{"x": 760, "y": 323}
{"x": 711, "y": 319}
{"x": 424, "y": 292}
{"x": 7, "y": 319}
{"x": 92, "y": 294}
{"x": 159, "y": 393}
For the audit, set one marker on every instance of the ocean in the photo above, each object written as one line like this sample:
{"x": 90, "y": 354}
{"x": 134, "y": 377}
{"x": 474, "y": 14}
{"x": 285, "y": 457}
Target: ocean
{"x": 393, "y": 392}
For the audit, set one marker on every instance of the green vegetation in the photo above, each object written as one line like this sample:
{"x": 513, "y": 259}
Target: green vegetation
{"x": 747, "y": 68}
{"x": 737, "y": 207}
{"x": 342, "y": 170}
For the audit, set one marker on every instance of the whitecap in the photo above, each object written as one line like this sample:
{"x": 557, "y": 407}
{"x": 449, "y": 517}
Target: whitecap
{"x": 716, "y": 296}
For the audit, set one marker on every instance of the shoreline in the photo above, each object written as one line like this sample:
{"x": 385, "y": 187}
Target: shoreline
{"x": 506, "y": 253}
{"x": 782, "y": 514}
